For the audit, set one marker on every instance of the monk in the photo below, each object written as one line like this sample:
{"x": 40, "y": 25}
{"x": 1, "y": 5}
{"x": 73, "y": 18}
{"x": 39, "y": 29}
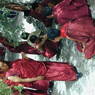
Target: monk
{"x": 45, "y": 84}
{"x": 37, "y": 74}
{"x": 48, "y": 48}
{"x": 39, "y": 11}
{"x": 76, "y": 24}
{"x": 70, "y": 10}
{"x": 79, "y": 26}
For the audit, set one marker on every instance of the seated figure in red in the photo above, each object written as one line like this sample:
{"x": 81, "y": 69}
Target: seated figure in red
{"x": 39, "y": 11}
{"x": 76, "y": 24}
{"x": 48, "y": 48}
{"x": 70, "y": 10}
{"x": 37, "y": 74}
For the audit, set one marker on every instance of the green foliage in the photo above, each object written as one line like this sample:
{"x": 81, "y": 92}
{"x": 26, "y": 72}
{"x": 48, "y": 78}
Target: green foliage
{"x": 19, "y": 88}
{"x": 6, "y": 1}
{"x": 9, "y": 28}
{"x": 4, "y": 89}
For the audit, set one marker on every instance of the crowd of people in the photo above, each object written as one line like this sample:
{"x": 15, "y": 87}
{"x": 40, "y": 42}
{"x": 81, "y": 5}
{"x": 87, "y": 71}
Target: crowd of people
{"x": 75, "y": 23}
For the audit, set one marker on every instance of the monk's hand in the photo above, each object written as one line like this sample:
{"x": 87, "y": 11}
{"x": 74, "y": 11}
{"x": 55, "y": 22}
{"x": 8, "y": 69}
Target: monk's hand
{"x": 44, "y": 36}
{"x": 40, "y": 77}
{"x": 50, "y": 16}
{"x": 21, "y": 85}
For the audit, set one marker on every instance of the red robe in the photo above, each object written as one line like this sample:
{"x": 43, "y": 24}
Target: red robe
{"x": 48, "y": 48}
{"x": 70, "y": 10}
{"x": 77, "y": 24}
{"x": 50, "y": 70}
{"x": 83, "y": 32}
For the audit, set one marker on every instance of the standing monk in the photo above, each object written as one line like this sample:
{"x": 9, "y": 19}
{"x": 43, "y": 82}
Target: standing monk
{"x": 37, "y": 74}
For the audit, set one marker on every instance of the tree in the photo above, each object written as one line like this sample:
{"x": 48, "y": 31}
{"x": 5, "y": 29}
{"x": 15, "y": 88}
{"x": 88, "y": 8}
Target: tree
{"x": 6, "y": 90}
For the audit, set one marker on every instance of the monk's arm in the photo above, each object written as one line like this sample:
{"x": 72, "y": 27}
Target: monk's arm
{"x": 73, "y": 39}
{"x": 18, "y": 79}
{"x": 57, "y": 39}
{"x": 50, "y": 16}
{"x": 15, "y": 6}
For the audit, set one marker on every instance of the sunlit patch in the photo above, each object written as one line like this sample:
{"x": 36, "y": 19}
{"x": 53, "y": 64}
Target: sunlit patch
{"x": 28, "y": 27}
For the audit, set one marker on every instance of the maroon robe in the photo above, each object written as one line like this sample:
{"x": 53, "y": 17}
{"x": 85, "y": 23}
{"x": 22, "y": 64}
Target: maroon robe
{"x": 48, "y": 48}
{"x": 83, "y": 32}
{"x": 69, "y": 10}
{"x": 61, "y": 71}
{"x": 77, "y": 24}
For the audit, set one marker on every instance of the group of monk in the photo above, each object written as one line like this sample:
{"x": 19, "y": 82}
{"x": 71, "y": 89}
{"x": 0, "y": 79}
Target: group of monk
{"x": 75, "y": 23}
